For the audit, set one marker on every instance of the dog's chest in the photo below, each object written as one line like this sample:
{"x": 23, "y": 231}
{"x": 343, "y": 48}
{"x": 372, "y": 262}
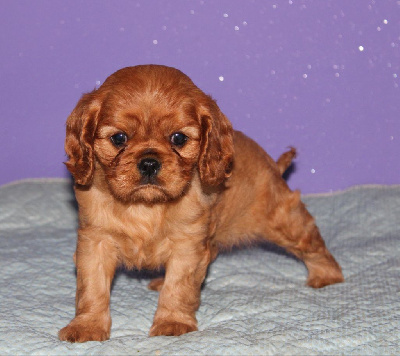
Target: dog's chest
{"x": 146, "y": 235}
{"x": 142, "y": 236}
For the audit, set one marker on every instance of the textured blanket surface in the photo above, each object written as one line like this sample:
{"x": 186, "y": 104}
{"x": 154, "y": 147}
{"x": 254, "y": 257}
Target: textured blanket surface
{"x": 254, "y": 301}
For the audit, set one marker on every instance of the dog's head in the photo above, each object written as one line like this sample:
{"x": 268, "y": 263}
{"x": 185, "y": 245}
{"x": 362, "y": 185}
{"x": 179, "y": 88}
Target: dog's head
{"x": 145, "y": 132}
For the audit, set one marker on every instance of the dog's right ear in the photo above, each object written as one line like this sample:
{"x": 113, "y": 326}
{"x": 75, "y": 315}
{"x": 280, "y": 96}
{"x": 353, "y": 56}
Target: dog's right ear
{"x": 79, "y": 141}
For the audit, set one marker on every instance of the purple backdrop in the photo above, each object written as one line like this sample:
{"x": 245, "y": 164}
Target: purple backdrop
{"x": 322, "y": 76}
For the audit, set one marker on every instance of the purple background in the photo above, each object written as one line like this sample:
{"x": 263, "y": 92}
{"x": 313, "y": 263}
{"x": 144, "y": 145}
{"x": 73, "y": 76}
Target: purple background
{"x": 322, "y": 76}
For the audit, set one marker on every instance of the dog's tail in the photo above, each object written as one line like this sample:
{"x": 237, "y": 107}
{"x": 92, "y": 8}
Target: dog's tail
{"x": 285, "y": 160}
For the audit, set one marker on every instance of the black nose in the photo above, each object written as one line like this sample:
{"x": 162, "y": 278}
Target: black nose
{"x": 149, "y": 167}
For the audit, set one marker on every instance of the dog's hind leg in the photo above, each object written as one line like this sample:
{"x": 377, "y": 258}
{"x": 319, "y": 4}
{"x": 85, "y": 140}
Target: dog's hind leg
{"x": 292, "y": 227}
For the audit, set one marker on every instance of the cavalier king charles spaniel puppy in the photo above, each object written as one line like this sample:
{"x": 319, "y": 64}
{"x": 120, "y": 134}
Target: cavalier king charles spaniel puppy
{"x": 164, "y": 182}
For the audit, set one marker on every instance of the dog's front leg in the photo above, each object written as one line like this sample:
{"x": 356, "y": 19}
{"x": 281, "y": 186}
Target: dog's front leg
{"x": 96, "y": 260}
{"x": 180, "y": 293}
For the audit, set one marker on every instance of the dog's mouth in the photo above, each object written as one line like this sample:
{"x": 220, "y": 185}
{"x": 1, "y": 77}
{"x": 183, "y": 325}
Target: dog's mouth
{"x": 150, "y": 193}
{"x": 149, "y": 181}
{"x": 148, "y": 186}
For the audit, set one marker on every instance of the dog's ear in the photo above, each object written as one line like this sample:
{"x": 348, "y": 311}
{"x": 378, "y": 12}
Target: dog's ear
{"x": 80, "y": 131}
{"x": 216, "y": 150}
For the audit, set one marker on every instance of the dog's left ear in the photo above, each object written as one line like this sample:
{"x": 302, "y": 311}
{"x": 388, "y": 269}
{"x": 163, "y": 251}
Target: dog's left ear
{"x": 216, "y": 150}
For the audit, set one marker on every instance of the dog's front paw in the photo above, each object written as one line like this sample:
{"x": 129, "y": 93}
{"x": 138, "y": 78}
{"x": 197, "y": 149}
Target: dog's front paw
{"x": 81, "y": 332}
{"x": 171, "y": 328}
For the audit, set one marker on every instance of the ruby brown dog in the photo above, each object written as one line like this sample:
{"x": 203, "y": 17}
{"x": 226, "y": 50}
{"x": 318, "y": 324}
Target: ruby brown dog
{"x": 164, "y": 182}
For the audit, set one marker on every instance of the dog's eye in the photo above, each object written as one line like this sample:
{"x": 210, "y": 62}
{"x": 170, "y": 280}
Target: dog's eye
{"x": 178, "y": 139}
{"x": 119, "y": 139}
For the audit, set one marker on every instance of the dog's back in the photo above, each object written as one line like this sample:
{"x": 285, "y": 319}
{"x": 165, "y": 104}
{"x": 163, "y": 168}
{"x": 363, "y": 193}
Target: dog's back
{"x": 256, "y": 185}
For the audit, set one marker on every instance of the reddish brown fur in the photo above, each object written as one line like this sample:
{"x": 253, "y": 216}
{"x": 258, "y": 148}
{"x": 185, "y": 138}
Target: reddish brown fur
{"x": 218, "y": 190}
{"x": 285, "y": 160}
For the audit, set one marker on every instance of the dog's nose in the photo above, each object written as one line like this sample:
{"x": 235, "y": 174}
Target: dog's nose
{"x": 149, "y": 167}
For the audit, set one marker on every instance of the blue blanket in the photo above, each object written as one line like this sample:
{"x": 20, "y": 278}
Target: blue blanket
{"x": 254, "y": 301}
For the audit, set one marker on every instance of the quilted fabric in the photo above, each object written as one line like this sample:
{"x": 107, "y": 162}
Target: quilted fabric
{"x": 254, "y": 301}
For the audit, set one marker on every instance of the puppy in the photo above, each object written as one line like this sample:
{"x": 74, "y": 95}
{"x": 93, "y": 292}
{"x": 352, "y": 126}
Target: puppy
{"x": 162, "y": 181}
